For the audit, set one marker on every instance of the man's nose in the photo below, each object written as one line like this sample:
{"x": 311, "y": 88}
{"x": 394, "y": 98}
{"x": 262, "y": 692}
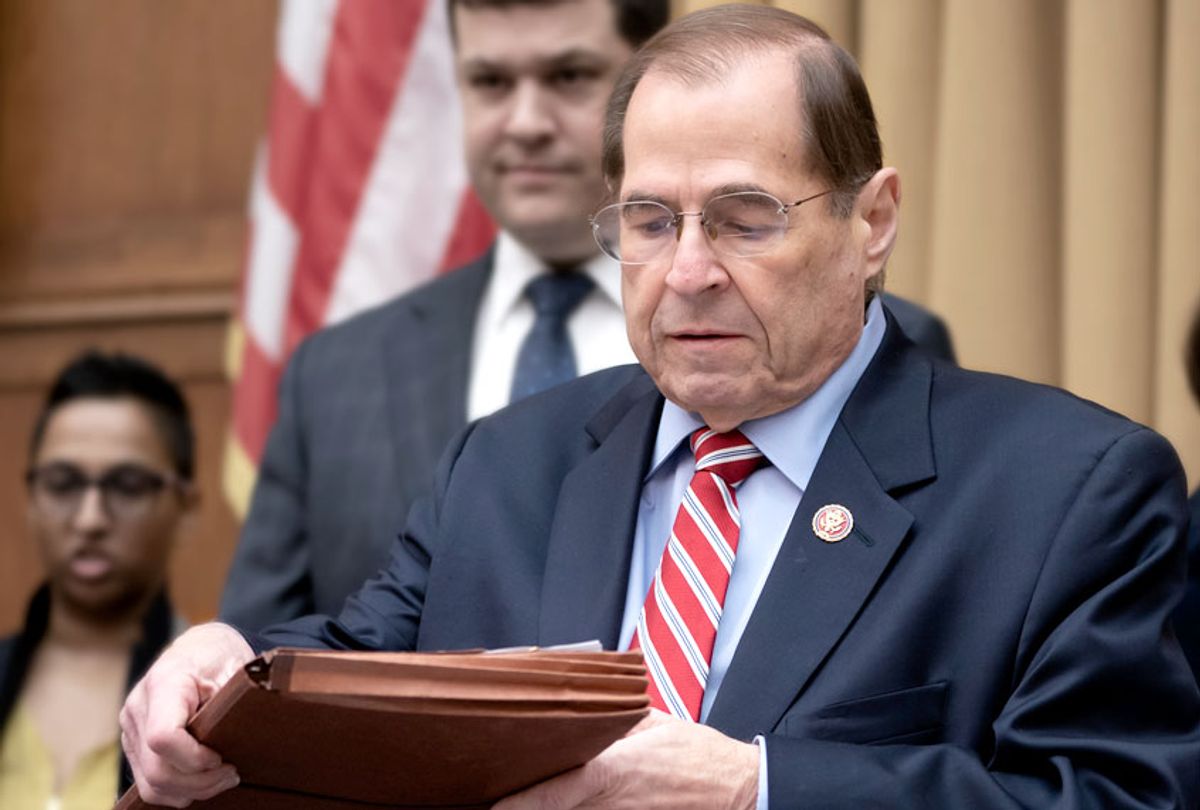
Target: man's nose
{"x": 695, "y": 266}
{"x": 530, "y": 117}
{"x": 91, "y": 514}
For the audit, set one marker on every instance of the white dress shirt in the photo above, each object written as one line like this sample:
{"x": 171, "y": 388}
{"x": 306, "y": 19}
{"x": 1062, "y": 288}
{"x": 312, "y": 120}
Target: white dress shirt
{"x": 596, "y": 327}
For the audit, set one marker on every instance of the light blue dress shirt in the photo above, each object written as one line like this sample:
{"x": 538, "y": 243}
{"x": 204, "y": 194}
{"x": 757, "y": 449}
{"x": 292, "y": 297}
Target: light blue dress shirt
{"x": 792, "y": 441}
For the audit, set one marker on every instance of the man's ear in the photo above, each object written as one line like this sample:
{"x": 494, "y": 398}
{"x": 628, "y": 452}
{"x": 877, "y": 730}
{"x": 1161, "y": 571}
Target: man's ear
{"x": 877, "y": 210}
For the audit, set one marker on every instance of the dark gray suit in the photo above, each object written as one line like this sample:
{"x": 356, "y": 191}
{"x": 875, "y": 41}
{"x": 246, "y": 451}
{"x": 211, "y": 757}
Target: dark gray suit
{"x": 365, "y": 409}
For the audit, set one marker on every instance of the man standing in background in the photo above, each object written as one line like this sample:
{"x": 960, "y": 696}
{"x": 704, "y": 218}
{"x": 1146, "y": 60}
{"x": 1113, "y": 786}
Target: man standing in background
{"x": 367, "y": 407}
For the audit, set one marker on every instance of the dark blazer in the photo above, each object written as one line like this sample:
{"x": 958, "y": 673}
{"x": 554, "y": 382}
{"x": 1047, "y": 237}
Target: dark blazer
{"x": 16, "y": 654}
{"x": 991, "y": 635}
{"x": 365, "y": 410}
{"x": 1187, "y": 615}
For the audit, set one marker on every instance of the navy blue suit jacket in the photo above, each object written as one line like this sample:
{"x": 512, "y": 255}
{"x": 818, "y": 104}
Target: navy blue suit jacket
{"x": 1187, "y": 615}
{"x": 991, "y": 635}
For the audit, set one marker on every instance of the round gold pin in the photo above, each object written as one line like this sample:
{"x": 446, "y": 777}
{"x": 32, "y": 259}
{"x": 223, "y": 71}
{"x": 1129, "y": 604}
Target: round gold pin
{"x": 832, "y": 523}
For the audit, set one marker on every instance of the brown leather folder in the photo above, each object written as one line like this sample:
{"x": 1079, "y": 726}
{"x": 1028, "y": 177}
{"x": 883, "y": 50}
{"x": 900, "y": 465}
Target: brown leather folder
{"x": 342, "y": 731}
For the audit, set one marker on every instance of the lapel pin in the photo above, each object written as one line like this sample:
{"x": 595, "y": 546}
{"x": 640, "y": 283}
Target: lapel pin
{"x": 832, "y": 523}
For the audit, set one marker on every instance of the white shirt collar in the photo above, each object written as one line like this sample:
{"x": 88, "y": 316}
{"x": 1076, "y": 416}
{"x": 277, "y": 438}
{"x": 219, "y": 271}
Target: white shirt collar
{"x": 515, "y": 266}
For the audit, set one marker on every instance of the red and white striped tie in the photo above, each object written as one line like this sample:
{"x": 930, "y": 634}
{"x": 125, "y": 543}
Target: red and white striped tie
{"x": 683, "y": 607}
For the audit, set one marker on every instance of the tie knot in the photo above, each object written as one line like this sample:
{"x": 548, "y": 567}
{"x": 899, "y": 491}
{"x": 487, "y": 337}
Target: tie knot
{"x": 556, "y": 294}
{"x": 730, "y": 455}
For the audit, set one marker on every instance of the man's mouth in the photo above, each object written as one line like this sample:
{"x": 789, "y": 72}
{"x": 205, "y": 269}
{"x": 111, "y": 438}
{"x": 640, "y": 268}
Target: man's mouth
{"x": 699, "y": 336}
{"x": 533, "y": 170}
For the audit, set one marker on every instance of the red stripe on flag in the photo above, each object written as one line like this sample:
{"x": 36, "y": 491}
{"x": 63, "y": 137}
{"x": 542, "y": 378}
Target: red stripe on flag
{"x": 368, "y": 55}
{"x": 254, "y": 398}
{"x": 473, "y": 232}
{"x": 289, "y": 145}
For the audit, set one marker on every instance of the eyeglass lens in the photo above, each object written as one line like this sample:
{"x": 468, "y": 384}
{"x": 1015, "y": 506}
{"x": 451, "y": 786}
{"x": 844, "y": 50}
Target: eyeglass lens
{"x": 126, "y": 490}
{"x": 740, "y": 224}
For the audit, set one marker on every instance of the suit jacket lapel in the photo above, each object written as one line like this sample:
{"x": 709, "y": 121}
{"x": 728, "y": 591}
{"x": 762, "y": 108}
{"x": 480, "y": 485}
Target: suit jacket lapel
{"x": 426, "y": 355}
{"x": 587, "y": 565}
{"x": 816, "y": 589}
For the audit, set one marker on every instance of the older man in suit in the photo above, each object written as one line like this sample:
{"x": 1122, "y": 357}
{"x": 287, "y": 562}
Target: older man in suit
{"x": 861, "y": 577}
{"x": 367, "y": 407}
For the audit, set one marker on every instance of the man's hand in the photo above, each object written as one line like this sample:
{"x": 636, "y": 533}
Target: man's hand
{"x": 662, "y": 763}
{"x": 170, "y": 766}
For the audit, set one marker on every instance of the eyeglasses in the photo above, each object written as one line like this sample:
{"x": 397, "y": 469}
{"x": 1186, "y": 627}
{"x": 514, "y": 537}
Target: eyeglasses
{"x": 127, "y": 491}
{"x": 744, "y": 223}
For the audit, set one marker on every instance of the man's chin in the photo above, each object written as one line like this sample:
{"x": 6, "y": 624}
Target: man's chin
{"x": 553, "y": 238}
{"x": 716, "y": 397}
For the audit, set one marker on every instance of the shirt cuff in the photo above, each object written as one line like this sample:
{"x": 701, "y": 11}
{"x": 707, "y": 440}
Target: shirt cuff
{"x": 761, "y": 742}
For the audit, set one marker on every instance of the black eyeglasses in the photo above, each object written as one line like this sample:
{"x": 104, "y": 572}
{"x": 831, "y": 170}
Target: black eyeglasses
{"x": 127, "y": 491}
{"x": 744, "y": 223}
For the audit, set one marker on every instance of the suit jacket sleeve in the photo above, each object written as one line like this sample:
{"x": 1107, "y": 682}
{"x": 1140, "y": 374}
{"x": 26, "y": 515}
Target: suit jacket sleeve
{"x": 385, "y": 614}
{"x": 1093, "y": 634}
{"x": 269, "y": 577}
{"x": 1187, "y": 615}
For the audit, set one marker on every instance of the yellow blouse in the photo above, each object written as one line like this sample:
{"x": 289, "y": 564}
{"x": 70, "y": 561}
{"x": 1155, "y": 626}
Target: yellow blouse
{"x": 27, "y": 772}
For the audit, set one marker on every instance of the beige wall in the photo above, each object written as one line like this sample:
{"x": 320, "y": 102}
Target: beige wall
{"x": 127, "y": 131}
{"x": 1049, "y": 159}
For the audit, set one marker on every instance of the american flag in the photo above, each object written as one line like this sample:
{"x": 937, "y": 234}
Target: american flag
{"x": 359, "y": 190}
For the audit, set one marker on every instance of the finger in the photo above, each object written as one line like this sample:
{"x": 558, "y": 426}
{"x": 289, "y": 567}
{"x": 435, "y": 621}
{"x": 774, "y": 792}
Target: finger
{"x": 565, "y": 791}
{"x": 654, "y": 719}
{"x": 165, "y": 734}
{"x": 207, "y": 687}
{"x": 131, "y": 738}
{"x": 161, "y": 785}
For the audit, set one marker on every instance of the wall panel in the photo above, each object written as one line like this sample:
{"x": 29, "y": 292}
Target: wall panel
{"x": 127, "y": 135}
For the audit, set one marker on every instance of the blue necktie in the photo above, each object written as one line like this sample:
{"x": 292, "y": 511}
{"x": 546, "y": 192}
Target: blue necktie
{"x": 546, "y": 357}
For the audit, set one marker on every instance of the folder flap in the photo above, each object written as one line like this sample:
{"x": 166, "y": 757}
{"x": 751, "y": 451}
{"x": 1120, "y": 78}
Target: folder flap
{"x": 333, "y": 730}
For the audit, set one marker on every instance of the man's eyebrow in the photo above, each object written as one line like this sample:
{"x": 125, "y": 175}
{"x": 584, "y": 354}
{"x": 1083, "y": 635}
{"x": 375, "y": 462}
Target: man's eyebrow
{"x": 483, "y": 63}
{"x": 736, "y": 188}
{"x": 637, "y": 195}
{"x": 573, "y": 56}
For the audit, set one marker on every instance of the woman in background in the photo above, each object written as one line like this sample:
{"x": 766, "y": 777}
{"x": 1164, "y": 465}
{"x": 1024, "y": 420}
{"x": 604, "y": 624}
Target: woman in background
{"x": 110, "y": 481}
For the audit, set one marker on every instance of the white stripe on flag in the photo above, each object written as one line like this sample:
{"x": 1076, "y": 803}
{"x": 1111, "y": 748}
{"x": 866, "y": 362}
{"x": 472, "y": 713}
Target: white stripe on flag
{"x": 270, "y": 264}
{"x": 410, "y": 201}
{"x": 302, "y": 43}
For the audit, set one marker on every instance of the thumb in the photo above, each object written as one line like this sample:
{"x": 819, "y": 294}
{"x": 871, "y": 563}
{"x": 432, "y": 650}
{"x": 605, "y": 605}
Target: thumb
{"x": 654, "y": 719}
